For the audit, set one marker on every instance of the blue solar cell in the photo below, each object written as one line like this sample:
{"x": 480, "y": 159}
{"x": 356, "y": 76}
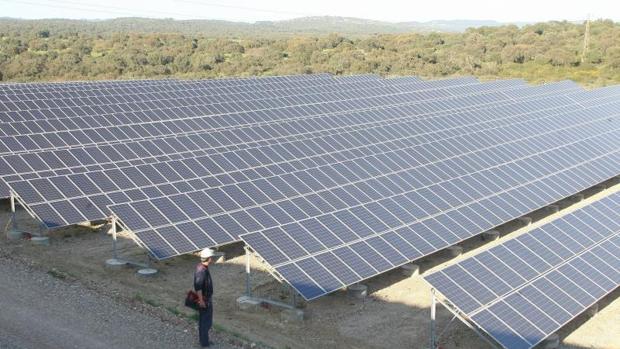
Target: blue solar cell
{"x": 157, "y": 245}
{"x": 215, "y": 231}
{"x": 354, "y": 261}
{"x": 300, "y": 281}
{"x": 501, "y": 332}
{"x": 337, "y": 267}
{"x": 48, "y": 215}
{"x": 319, "y": 274}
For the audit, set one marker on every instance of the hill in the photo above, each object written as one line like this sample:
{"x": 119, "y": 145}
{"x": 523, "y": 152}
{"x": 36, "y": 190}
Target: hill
{"x": 299, "y": 26}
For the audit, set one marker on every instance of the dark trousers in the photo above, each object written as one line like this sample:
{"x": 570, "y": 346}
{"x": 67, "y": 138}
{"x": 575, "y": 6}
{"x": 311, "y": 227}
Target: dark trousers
{"x": 205, "y": 321}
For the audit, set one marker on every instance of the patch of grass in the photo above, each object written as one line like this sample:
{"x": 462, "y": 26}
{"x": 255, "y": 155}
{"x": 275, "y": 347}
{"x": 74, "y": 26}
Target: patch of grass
{"x": 58, "y": 274}
{"x": 140, "y": 298}
{"x": 151, "y": 302}
{"x": 174, "y": 311}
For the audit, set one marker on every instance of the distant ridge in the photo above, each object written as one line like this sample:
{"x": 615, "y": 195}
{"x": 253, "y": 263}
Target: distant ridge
{"x": 297, "y": 26}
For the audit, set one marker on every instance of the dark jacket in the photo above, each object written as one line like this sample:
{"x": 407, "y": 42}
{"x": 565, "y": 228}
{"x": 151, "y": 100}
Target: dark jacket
{"x": 203, "y": 282}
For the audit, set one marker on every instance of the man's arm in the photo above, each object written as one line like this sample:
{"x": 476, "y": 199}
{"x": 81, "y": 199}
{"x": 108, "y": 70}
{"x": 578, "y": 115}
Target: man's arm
{"x": 199, "y": 283}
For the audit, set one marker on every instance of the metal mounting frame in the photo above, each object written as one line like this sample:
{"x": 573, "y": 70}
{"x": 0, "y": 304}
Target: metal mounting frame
{"x": 248, "y": 285}
{"x": 434, "y": 338}
{"x": 114, "y": 233}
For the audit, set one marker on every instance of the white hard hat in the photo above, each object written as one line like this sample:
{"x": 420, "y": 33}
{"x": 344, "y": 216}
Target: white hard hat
{"x": 206, "y": 253}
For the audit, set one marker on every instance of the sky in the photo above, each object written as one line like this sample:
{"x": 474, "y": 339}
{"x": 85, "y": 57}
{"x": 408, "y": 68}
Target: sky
{"x": 260, "y": 10}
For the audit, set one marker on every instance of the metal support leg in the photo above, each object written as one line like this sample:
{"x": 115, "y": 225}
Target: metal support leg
{"x": 294, "y": 297}
{"x": 13, "y": 217}
{"x": 433, "y": 344}
{"x": 248, "y": 281}
{"x": 113, "y": 228}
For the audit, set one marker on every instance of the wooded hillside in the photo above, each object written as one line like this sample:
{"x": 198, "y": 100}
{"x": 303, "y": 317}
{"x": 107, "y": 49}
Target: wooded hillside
{"x": 77, "y": 50}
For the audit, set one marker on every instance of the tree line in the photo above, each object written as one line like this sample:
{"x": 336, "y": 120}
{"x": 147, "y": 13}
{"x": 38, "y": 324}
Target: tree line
{"x": 55, "y": 51}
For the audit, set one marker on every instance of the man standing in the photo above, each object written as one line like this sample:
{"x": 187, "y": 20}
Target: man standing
{"x": 203, "y": 285}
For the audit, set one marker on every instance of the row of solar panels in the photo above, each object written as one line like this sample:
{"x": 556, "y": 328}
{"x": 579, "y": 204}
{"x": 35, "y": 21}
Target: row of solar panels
{"x": 155, "y": 172}
{"x": 296, "y": 101}
{"x": 412, "y": 212}
{"x": 108, "y": 84}
{"x": 165, "y": 137}
{"x": 316, "y": 183}
{"x": 525, "y": 289}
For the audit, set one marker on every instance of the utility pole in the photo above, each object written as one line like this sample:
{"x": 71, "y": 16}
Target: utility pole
{"x": 586, "y": 40}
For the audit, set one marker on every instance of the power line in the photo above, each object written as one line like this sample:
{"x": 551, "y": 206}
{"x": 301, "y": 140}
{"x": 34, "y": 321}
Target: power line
{"x": 115, "y": 10}
{"x": 103, "y": 9}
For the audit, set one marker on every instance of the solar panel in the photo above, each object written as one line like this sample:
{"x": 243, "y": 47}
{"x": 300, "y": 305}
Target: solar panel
{"x": 437, "y": 203}
{"x": 525, "y": 289}
{"x": 219, "y": 114}
{"x": 66, "y": 104}
{"x": 111, "y": 84}
{"x": 309, "y": 182}
{"x": 362, "y": 77}
{"x": 21, "y": 103}
{"x": 137, "y": 178}
{"x": 194, "y": 141}
{"x": 401, "y": 80}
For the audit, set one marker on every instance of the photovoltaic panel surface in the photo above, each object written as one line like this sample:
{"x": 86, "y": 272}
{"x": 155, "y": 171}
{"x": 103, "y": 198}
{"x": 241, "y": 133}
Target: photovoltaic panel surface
{"x": 77, "y": 130}
{"x": 56, "y": 105}
{"x": 317, "y": 190}
{"x": 526, "y": 288}
{"x": 435, "y": 203}
{"x": 198, "y": 139}
{"x": 114, "y": 186}
{"x": 83, "y": 86}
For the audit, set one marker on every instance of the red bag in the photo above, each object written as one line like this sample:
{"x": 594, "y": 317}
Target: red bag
{"x": 191, "y": 300}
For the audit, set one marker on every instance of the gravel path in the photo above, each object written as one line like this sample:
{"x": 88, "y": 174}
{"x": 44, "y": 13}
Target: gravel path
{"x": 40, "y": 311}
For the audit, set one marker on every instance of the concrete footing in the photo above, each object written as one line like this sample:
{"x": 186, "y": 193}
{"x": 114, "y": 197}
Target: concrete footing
{"x": 147, "y": 272}
{"x": 248, "y": 304}
{"x": 14, "y": 235}
{"x": 551, "y": 342}
{"x": 410, "y": 270}
{"x": 593, "y": 310}
{"x": 454, "y": 251}
{"x": 287, "y": 314}
{"x": 115, "y": 264}
{"x": 292, "y": 315}
{"x": 553, "y": 208}
{"x": 358, "y": 291}
{"x": 525, "y": 221}
{"x": 40, "y": 240}
{"x": 490, "y": 235}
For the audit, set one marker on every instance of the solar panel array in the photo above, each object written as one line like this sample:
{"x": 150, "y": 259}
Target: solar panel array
{"x": 18, "y": 164}
{"x": 82, "y": 131}
{"x": 316, "y": 174}
{"x": 525, "y": 289}
{"x": 428, "y": 203}
{"x": 184, "y": 178}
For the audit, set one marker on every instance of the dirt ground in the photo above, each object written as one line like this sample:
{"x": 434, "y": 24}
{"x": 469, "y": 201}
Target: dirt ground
{"x": 396, "y": 314}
